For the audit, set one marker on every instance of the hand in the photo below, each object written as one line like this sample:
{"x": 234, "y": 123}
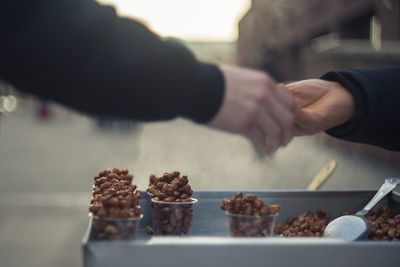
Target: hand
{"x": 256, "y": 107}
{"x": 320, "y": 105}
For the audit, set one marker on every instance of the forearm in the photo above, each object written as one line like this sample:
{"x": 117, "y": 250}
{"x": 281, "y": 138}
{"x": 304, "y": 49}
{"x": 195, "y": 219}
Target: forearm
{"x": 377, "y": 97}
{"x": 81, "y": 54}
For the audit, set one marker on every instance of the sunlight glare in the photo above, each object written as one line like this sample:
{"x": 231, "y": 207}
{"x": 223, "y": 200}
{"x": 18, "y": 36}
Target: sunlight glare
{"x": 212, "y": 20}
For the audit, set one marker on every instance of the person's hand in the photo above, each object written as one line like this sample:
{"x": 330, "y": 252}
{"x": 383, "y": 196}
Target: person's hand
{"x": 320, "y": 105}
{"x": 256, "y": 107}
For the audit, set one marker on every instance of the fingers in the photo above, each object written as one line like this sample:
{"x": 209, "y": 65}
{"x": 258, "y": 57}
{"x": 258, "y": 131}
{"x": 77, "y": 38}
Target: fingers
{"x": 271, "y": 123}
{"x": 283, "y": 122}
{"x": 269, "y": 131}
{"x": 282, "y": 110}
{"x": 308, "y": 91}
{"x": 272, "y": 132}
{"x": 276, "y": 117}
{"x": 285, "y": 96}
{"x": 312, "y": 105}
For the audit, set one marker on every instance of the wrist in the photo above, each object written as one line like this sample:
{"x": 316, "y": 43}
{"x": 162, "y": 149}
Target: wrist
{"x": 347, "y": 100}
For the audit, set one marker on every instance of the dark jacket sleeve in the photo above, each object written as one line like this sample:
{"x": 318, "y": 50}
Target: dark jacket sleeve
{"x": 377, "y": 102}
{"x": 81, "y": 54}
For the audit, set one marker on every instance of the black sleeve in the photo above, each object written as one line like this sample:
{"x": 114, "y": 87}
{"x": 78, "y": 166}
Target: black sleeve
{"x": 377, "y": 102}
{"x": 81, "y": 54}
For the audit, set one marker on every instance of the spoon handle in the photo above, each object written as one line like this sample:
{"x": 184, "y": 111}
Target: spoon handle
{"x": 386, "y": 188}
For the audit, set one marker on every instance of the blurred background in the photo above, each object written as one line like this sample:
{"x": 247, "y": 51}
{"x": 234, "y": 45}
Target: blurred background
{"x": 50, "y": 154}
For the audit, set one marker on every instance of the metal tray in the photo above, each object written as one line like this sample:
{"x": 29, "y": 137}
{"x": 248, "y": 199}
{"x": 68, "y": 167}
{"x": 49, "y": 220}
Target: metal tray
{"x": 209, "y": 243}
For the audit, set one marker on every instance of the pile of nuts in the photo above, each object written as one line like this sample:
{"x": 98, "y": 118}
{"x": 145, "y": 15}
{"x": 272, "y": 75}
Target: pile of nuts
{"x": 115, "y": 205}
{"x": 170, "y": 187}
{"x": 385, "y": 224}
{"x": 172, "y": 205}
{"x": 306, "y": 224}
{"x": 250, "y": 216}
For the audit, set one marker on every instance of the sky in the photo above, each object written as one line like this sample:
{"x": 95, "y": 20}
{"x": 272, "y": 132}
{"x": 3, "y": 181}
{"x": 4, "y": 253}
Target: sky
{"x": 191, "y": 20}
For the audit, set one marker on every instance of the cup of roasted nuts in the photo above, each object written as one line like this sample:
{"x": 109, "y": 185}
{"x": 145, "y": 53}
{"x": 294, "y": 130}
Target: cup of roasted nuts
{"x": 249, "y": 216}
{"x": 114, "y": 207}
{"x": 171, "y": 203}
{"x": 172, "y": 218}
{"x": 106, "y": 228}
{"x": 251, "y": 225}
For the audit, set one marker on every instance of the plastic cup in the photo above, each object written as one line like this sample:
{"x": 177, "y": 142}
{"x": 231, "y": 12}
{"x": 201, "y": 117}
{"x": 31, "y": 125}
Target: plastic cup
{"x": 172, "y": 218}
{"x": 251, "y": 225}
{"x": 104, "y": 228}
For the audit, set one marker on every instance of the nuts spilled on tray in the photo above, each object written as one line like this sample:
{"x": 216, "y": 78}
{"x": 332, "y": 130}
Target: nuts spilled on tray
{"x": 385, "y": 224}
{"x": 306, "y": 224}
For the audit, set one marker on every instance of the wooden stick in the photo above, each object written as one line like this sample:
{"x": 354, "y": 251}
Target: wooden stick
{"x": 322, "y": 176}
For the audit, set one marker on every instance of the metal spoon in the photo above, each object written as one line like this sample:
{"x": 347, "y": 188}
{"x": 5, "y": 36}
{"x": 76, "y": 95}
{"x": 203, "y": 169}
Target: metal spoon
{"x": 356, "y": 227}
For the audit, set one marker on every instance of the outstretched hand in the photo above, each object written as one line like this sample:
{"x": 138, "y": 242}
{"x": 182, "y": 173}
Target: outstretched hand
{"x": 256, "y": 107}
{"x": 320, "y": 105}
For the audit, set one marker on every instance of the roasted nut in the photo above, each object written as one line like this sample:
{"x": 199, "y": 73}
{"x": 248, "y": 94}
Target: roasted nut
{"x": 149, "y": 230}
{"x": 105, "y": 172}
{"x": 95, "y": 207}
{"x": 110, "y": 229}
{"x": 105, "y": 185}
{"x": 124, "y": 203}
{"x": 113, "y": 202}
{"x": 102, "y": 212}
{"x": 169, "y": 199}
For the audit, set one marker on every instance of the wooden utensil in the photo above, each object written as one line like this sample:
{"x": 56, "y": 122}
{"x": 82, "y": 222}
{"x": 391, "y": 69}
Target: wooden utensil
{"x": 322, "y": 176}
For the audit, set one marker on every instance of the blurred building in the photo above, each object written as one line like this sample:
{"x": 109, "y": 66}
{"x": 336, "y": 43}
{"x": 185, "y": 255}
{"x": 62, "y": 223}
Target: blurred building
{"x": 297, "y": 39}
{"x": 214, "y": 52}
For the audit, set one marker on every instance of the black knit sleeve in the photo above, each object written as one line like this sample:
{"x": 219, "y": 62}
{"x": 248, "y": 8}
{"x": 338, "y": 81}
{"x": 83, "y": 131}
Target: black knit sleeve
{"x": 81, "y": 54}
{"x": 377, "y": 102}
